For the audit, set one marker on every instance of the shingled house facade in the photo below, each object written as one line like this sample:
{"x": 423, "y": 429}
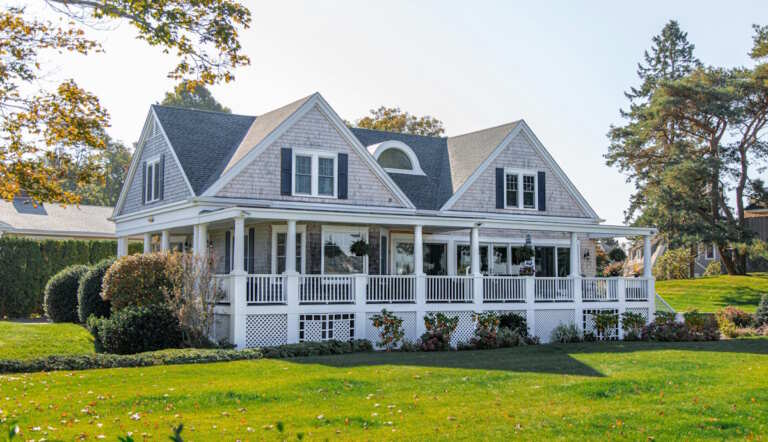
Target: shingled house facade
{"x": 314, "y": 226}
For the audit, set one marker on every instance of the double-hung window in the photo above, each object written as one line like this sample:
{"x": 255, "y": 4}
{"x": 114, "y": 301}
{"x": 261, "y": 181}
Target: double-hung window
{"x": 314, "y": 174}
{"x": 520, "y": 189}
{"x": 152, "y": 181}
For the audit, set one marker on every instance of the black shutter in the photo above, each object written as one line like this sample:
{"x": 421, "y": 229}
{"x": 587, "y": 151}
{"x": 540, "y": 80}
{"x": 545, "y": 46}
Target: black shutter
{"x": 286, "y": 158}
{"x": 499, "y": 188}
{"x": 343, "y": 176}
{"x": 251, "y": 246}
{"x": 144, "y": 182}
{"x": 542, "y": 184}
{"x": 161, "y": 179}
{"x": 227, "y": 251}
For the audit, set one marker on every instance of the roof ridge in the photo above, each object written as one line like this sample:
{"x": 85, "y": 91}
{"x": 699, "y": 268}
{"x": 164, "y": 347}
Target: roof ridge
{"x": 487, "y": 128}
{"x": 203, "y": 110}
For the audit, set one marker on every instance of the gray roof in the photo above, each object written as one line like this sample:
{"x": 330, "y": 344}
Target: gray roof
{"x": 22, "y": 217}
{"x": 210, "y": 143}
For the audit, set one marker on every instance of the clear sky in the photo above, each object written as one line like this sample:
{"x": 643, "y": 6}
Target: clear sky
{"x": 560, "y": 65}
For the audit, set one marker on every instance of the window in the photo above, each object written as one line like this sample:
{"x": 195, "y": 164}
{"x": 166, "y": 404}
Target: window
{"x": 463, "y": 259}
{"x": 337, "y": 258}
{"x": 152, "y": 181}
{"x": 395, "y": 159}
{"x": 384, "y": 255}
{"x": 520, "y": 190}
{"x": 280, "y": 252}
{"x": 404, "y": 258}
{"x": 314, "y": 174}
{"x": 710, "y": 251}
{"x": 500, "y": 260}
{"x": 563, "y": 261}
{"x": 435, "y": 256}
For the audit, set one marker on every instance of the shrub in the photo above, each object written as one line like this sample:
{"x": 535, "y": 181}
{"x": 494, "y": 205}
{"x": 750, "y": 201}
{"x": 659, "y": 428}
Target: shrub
{"x": 390, "y": 329}
{"x": 724, "y": 323}
{"x": 614, "y": 269}
{"x": 701, "y": 326}
{"x": 61, "y": 294}
{"x": 632, "y": 325}
{"x": 137, "y": 280}
{"x": 514, "y": 322}
{"x": 89, "y": 300}
{"x": 617, "y": 254}
{"x": 714, "y": 268}
{"x": 665, "y": 331}
{"x": 673, "y": 264}
{"x": 26, "y": 265}
{"x": 439, "y": 328}
{"x": 739, "y": 317}
{"x": 606, "y": 321}
{"x": 566, "y": 333}
{"x": 486, "y": 330}
{"x": 139, "y": 329}
{"x": 761, "y": 315}
{"x": 302, "y": 349}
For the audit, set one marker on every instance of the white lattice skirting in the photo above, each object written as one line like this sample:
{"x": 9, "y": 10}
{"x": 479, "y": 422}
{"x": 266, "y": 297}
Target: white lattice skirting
{"x": 589, "y": 323}
{"x": 409, "y": 327}
{"x": 327, "y": 326}
{"x": 266, "y": 330}
{"x": 547, "y": 320}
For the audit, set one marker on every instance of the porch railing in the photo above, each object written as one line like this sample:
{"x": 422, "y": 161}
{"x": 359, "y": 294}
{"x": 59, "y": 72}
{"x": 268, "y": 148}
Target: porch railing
{"x": 383, "y": 289}
{"x": 636, "y": 289}
{"x": 553, "y": 289}
{"x": 599, "y": 289}
{"x": 449, "y": 288}
{"x": 504, "y": 289}
{"x": 265, "y": 289}
{"x": 326, "y": 289}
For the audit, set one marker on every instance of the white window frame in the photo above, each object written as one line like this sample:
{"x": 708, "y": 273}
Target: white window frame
{"x": 521, "y": 173}
{"x": 362, "y": 230}
{"x": 151, "y": 194}
{"x": 315, "y": 155}
{"x": 282, "y": 228}
{"x": 709, "y": 249}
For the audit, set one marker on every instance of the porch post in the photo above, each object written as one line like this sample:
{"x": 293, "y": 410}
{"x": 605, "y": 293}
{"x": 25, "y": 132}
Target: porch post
{"x": 647, "y": 256}
{"x": 575, "y": 276}
{"x": 239, "y": 286}
{"x": 290, "y": 248}
{"x": 575, "y": 271}
{"x": 291, "y": 283}
{"x": 421, "y": 282}
{"x": 418, "y": 251}
{"x": 648, "y": 274}
{"x": 148, "y": 242}
{"x": 165, "y": 242}
{"x": 202, "y": 236}
{"x": 195, "y": 239}
{"x": 477, "y": 277}
{"x": 122, "y": 246}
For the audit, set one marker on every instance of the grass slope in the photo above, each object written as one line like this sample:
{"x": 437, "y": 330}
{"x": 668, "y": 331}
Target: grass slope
{"x": 28, "y": 341}
{"x": 628, "y": 391}
{"x": 710, "y": 293}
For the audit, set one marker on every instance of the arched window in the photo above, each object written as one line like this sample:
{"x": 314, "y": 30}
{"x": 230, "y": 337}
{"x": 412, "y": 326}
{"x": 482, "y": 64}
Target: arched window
{"x": 394, "y": 158}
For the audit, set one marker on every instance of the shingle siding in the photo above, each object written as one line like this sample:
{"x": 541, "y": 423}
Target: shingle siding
{"x": 176, "y": 188}
{"x": 261, "y": 178}
{"x": 519, "y": 154}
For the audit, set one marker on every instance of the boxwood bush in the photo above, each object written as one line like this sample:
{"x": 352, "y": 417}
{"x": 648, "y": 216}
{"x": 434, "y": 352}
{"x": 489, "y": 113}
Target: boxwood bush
{"x": 89, "y": 300}
{"x": 61, "y": 294}
{"x": 137, "y": 280}
{"x": 137, "y": 329}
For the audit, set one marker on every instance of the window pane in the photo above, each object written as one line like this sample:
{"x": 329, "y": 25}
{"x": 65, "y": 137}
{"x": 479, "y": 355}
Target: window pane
{"x": 148, "y": 184}
{"x": 500, "y": 259}
{"x": 512, "y": 191}
{"x": 325, "y": 166}
{"x": 325, "y": 185}
{"x": 403, "y": 258}
{"x": 303, "y": 174}
{"x": 156, "y": 189}
{"x": 395, "y": 159}
{"x": 337, "y": 258}
{"x": 545, "y": 261}
{"x": 384, "y": 258}
{"x": 435, "y": 259}
{"x": 529, "y": 188}
{"x": 563, "y": 261}
{"x": 280, "y": 252}
{"x": 463, "y": 259}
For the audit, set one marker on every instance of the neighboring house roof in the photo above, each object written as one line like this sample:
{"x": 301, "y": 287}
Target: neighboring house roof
{"x": 21, "y": 217}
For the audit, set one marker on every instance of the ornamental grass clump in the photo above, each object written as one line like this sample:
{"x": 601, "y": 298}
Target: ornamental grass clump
{"x": 439, "y": 328}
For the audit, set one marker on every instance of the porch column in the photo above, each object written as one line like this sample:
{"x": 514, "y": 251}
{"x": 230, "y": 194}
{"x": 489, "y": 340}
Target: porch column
{"x": 148, "y": 242}
{"x": 239, "y": 278}
{"x": 202, "y": 236}
{"x": 122, "y": 246}
{"x": 291, "y": 283}
{"x": 575, "y": 276}
{"x": 195, "y": 239}
{"x": 418, "y": 250}
{"x": 290, "y": 248}
{"x": 474, "y": 248}
{"x": 421, "y": 282}
{"x": 575, "y": 270}
{"x": 647, "y": 256}
{"x": 165, "y": 241}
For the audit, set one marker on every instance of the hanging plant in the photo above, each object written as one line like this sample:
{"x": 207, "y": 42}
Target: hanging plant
{"x": 360, "y": 248}
{"x": 526, "y": 253}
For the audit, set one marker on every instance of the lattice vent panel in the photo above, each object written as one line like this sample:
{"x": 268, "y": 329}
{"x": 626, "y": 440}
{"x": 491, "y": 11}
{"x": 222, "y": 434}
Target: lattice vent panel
{"x": 466, "y": 328}
{"x": 589, "y": 324}
{"x": 325, "y": 327}
{"x": 409, "y": 327}
{"x": 266, "y": 330}
{"x": 642, "y": 311}
{"x": 547, "y": 320}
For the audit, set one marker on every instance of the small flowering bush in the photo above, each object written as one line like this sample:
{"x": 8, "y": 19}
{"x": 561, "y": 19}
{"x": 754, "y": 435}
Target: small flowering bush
{"x": 439, "y": 328}
{"x": 486, "y": 331}
{"x": 390, "y": 329}
{"x": 605, "y": 324}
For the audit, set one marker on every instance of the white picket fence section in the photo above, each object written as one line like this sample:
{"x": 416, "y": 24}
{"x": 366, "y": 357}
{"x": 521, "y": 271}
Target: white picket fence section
{"x": 383, "y": 289}
{"x": 504, "y": 289}
{"x": 265, "y": 289}
{"x": 449, "y": 288}
{"x": 326, "y": 289}
{"x": 599, "y": 289}
{"x": 553, "y": 289}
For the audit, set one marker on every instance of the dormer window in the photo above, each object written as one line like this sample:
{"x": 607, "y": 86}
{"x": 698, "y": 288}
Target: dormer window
{"x": 396, "y": 157}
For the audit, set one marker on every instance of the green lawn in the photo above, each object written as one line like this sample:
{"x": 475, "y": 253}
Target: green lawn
{"x": 28, "y": 341}
{"x": 627, "y": 391}
{"x": 710, "y": 293}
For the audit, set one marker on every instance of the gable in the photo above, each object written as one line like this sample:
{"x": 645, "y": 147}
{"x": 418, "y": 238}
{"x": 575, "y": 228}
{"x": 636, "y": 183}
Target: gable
{"x": 260, "y": 178}
{"x": 175, "y": 189}
{"x": 520, "y": 153}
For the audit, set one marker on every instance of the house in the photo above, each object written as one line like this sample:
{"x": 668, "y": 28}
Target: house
{"x": 23, "y": 217}
{"x": 314, "y": 226}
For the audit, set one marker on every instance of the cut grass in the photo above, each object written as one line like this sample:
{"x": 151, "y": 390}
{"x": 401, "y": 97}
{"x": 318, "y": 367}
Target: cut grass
{"x": 711, "y": 293}
{"x": 629, "y": 391}
{"x": 32, "y": 340}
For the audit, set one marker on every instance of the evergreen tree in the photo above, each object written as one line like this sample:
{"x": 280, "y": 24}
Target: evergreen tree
{"x": 193, "y": 96}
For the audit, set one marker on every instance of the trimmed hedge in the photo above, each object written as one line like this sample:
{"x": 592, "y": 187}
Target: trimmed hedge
{"x": 89, "y": 301}
{"x": 180, "y": 356}
{"x": 26, "y": 265}
{"x": 138, "y": 329}
{"x": 61, "y": 294}
{"x": 138, "y": 280}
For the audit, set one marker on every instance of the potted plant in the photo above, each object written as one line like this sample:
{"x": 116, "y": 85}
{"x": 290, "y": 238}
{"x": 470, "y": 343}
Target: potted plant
{"x": 360, "y": 248}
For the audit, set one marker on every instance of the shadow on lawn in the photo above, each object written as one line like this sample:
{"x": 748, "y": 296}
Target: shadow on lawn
{"x": 548, "y": 358}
